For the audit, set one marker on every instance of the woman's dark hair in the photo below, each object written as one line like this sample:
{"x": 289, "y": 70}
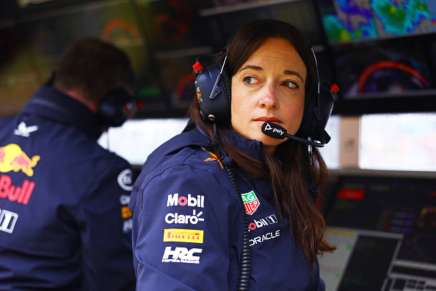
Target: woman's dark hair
{"x": 291, "y": 170}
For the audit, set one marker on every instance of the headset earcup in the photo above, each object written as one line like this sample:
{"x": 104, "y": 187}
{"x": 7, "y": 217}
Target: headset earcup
{"x": 309, "y": 117}
{"x": 326, "y": 103}
{"x": 111, "y": 110}
{"x": 316, "y": 114}
{"x": 214, "y": 95}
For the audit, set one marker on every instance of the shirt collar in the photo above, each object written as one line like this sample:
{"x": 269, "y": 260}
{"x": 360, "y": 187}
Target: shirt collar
{"x": 50, "y": 103}
{"x": 251, "y": 147}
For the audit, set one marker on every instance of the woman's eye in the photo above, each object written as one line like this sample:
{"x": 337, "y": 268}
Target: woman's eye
{"x": 290, "y": 84}
{"x": 249, "y": 80}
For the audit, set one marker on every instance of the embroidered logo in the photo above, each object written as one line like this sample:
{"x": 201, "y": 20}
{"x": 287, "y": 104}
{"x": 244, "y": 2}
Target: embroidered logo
{"x": 213, "y": 157}
{"x": 187, "y": 200}
{"x": 125, "y": 180}
{"x": 15, "y": 193}
{"x": 13, "y": 158}
{"x": 24, "y": 130}
{"x": 251, "y": 202}
{"x": 126, "y": 213}
{"x": 183, "y": 235}
{"x": 182, "y": 255}
{"x": 8, "y": 219}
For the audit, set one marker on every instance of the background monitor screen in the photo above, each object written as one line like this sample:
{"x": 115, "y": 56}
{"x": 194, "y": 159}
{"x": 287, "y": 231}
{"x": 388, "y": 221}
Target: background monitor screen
{"x": 384, "y": 229}
{"x": 357, "y": 20}
{"x": 361, "y": 260}
{"x": 388, "y": 70}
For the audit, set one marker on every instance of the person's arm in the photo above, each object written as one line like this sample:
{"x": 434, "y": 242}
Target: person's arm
{"x": 180, "y": 232}
{"x": 107, "y": 262}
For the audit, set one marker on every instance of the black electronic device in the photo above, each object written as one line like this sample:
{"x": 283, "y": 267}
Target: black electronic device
{"x": 384, "y": 230}
{"x": 276, "y": 131}
{"x": 116, "y": 107}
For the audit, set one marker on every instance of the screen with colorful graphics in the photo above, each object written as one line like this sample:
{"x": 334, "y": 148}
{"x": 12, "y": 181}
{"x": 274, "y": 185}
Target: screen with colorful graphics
{"x": 388, "y": 70}
{"x": 359, "y": 20}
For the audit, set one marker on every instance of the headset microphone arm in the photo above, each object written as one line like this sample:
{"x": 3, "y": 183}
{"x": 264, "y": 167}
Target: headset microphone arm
{"x": 276, "y": 131}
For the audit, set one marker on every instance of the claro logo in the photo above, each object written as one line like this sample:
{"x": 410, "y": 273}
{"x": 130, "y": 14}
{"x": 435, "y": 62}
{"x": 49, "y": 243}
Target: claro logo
{"x": 176, "y": 218}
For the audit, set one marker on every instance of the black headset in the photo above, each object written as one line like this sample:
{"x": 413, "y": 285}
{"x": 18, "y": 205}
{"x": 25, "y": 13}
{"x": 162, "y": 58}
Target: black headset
{"x": 116, "y": 107}
{"x": 213, "y": 91}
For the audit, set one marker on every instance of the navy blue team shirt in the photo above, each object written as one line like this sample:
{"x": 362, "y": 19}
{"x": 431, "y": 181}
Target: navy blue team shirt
{"x": 64, "y": 217}
{"x": 188, "y": 224}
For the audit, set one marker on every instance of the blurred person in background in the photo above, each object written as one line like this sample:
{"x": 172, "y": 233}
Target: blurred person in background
{"x": 64, "y": 220}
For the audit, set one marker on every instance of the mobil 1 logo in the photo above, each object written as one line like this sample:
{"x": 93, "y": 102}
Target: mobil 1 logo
{"x": 185, "y": 200}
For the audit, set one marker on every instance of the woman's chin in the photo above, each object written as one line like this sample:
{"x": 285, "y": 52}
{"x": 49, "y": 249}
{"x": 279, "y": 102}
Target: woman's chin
{"x": 269, "y": 141}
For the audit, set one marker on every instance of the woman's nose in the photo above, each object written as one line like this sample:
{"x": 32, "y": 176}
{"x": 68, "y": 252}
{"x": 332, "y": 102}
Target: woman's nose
{"x": 268, "y": 97}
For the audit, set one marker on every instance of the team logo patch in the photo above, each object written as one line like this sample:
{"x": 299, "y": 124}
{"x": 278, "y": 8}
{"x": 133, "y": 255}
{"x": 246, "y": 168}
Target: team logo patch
{"x": 126, "y": 213}
{"x": 251, "y": 202}
{"x": 127, "y": 226}
{"x": 24, "y": 130}
{"x": 125, "y": 180}
{"x": 176, "y": 218}
{"x": 181, "y": 255}
{"x": 183, "y": 235}
{"x": 264, "y": 237}
{"x": 185, "y": 200}
{"x": 213, "y": 157}
{"x": 13, "y": 158}
{"x": 262, "y": 222}
{"x": 8, "y": 219}
{"x": 16, "y": 193}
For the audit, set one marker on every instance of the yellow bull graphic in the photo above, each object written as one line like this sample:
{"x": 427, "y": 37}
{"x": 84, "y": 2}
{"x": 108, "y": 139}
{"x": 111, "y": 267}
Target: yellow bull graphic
{"x": 13, "y": 158}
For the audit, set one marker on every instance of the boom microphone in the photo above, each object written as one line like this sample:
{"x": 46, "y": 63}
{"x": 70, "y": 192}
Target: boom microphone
{"x": 276, "y": 131}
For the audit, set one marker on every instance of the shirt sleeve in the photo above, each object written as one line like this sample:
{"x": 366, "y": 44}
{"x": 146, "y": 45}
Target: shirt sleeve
{"x": 105, "y": 223}
{"x": 180, "y": 232}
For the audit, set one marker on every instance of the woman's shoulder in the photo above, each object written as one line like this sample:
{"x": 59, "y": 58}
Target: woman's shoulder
{"x": 186, "y": 163}
{"x": 188, "y": 174}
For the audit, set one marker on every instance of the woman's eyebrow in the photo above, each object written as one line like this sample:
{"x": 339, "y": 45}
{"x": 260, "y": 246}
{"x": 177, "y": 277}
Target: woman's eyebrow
{"x": 294, "y": 73}
{"x": 257, "y": 68}
{"x": 286, "y": 72}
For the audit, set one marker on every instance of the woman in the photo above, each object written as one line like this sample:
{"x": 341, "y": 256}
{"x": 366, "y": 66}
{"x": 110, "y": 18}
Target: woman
{"x": 202, "y": 191}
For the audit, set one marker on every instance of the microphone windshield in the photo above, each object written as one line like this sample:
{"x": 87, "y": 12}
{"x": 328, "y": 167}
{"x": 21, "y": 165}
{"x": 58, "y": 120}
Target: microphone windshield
{"x": 274, "y": 130}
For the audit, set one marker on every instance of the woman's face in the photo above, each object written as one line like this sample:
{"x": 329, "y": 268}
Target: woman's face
{"x": 269, "y": 86}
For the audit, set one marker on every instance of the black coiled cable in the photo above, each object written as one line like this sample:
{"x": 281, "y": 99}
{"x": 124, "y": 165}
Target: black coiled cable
{"x": 245, "y": 263}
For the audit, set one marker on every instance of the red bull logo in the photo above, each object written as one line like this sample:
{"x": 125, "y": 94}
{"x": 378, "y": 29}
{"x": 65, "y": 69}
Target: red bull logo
{"x": 13, "y": 158}
{"x": 19, "y": 194}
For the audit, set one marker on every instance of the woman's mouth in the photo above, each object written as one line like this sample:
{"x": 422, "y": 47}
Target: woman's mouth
{"x": 268, "y": 119}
